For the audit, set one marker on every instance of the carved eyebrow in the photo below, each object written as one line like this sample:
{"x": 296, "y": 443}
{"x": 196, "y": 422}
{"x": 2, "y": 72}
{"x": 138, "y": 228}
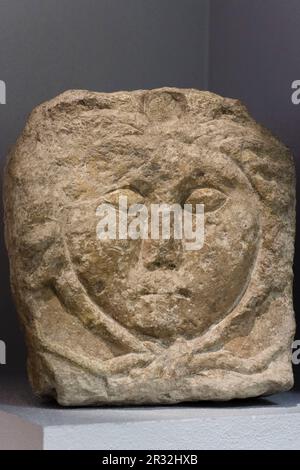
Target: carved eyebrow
{"x": 118, "y": 188}
{"x": 206, "y": 186}
{"x": 188, "y": 184}
{"x": 127, "y": 187}
{"x": 187, "y": 191}
{"x": 133, "y": 188}
{"x": 141, "y": 186}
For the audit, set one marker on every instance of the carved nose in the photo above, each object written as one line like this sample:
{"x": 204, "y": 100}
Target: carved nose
{"x": 161, "y": 254}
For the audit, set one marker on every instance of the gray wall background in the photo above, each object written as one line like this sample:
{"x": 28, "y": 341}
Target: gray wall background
{"x": 246, "y": 49}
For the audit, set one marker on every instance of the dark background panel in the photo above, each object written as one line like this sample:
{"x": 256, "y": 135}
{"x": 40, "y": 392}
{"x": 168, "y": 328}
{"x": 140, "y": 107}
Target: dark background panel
{"x": 254, "y": 56}
{"x": 50, "y": 46}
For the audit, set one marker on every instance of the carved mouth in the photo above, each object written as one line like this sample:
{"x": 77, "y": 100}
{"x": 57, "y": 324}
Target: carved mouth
{"x": 182, "y": 293}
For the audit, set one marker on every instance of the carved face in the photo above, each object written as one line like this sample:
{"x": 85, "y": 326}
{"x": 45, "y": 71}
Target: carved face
{"x": 157, "y": 287}
{"x": 150, "y": 321}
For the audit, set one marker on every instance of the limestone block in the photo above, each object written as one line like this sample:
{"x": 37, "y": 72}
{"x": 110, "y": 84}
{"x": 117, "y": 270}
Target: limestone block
{"x": 132, "y": 321}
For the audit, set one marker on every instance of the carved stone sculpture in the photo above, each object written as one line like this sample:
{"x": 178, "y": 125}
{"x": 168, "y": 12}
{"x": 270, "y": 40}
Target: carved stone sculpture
{"x": 141, "y": 320}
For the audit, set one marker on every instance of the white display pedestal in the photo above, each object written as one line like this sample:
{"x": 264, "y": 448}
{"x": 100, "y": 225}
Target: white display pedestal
{"x": 268, "y": 423}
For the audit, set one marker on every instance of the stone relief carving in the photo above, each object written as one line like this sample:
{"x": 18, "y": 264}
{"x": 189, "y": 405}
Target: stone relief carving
{"x": 146, "y": 321}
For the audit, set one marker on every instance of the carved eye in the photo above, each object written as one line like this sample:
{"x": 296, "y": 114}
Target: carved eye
{"x": 210, "y": 197}
{"x": 132, "y": 196}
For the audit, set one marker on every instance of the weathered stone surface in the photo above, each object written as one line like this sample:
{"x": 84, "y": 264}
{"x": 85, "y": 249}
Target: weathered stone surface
{"x": 145, "y": 321}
